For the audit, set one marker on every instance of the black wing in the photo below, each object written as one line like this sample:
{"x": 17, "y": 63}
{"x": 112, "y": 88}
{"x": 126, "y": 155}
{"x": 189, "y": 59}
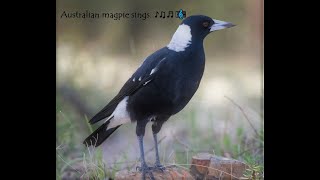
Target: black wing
{"x": 144, "y": 74}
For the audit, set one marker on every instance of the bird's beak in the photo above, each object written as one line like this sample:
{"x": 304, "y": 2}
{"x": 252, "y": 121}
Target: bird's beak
{"x": 220, "y": 25}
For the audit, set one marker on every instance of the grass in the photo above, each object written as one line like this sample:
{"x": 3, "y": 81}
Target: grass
{"x": 75, "y": 160}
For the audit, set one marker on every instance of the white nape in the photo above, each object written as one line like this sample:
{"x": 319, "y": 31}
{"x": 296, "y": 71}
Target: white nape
{"x": 181, "y": 39}
{"x": 120, "y": 114}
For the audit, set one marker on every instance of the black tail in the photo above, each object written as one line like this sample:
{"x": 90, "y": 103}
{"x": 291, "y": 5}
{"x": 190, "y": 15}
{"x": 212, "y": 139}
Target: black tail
{"x": 99, "y": 135}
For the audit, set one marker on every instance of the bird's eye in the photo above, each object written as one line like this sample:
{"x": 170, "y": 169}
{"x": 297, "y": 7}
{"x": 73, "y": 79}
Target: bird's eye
{"x": 205, "y": 24}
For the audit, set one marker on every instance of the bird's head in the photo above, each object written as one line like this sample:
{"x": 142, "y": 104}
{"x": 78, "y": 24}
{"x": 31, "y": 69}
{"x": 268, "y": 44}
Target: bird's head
{"x": 194, "y": 29}
{"x": 200, "y": 25}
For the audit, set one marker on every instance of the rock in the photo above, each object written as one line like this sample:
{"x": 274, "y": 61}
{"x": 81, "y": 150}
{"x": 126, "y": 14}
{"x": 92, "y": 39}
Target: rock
{"x": 208, "y": 166}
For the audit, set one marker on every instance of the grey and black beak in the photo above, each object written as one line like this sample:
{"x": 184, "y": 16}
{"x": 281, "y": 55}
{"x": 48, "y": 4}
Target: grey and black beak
{"x": 220, "y": 25}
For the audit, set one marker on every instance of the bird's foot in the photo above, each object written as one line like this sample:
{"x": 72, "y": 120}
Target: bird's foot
{"x": 145, "y": 170}
{"x": 158, "y": 167}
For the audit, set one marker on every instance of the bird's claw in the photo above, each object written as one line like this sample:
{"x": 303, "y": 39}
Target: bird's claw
{"x": 158, "y": 166}
{"x": 145, "y": 170}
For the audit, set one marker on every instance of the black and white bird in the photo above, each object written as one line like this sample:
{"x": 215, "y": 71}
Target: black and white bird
{"x": 161, "y": 87}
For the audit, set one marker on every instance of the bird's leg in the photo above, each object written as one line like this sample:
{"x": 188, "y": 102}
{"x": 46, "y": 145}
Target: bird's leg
{"x": 140, "y": 131}
{"x": 143, "y": 162}
{"x": 156, "y": 126}
{"x": 157, "y": 164}
{"x": 156, "y": 147}
{"x": 144, "y": 167}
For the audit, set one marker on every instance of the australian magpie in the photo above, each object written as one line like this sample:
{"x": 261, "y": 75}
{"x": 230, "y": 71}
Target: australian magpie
{"x": 161, "y": 87}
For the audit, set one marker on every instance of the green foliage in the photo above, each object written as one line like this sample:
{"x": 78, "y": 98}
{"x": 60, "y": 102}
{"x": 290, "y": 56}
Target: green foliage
{"x": 94, "y": 166}
{"x": 254, "y": 172}
{"x": 227, "y": 141}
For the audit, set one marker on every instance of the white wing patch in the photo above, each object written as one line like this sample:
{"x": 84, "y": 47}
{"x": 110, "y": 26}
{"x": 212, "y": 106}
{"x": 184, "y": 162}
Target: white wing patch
{"x": 139, "y": 78}
{"x": 134, "y": 79}
{"x": 156, "y": 68}
{"x": 181, "y": 39}
{"x": 146, "y": 82}
{"x": 153, "y": 70}
{"x": 121, "y": 115}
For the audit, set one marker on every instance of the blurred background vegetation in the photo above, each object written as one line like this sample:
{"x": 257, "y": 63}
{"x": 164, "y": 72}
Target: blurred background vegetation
{"x": 96, "y": 56}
